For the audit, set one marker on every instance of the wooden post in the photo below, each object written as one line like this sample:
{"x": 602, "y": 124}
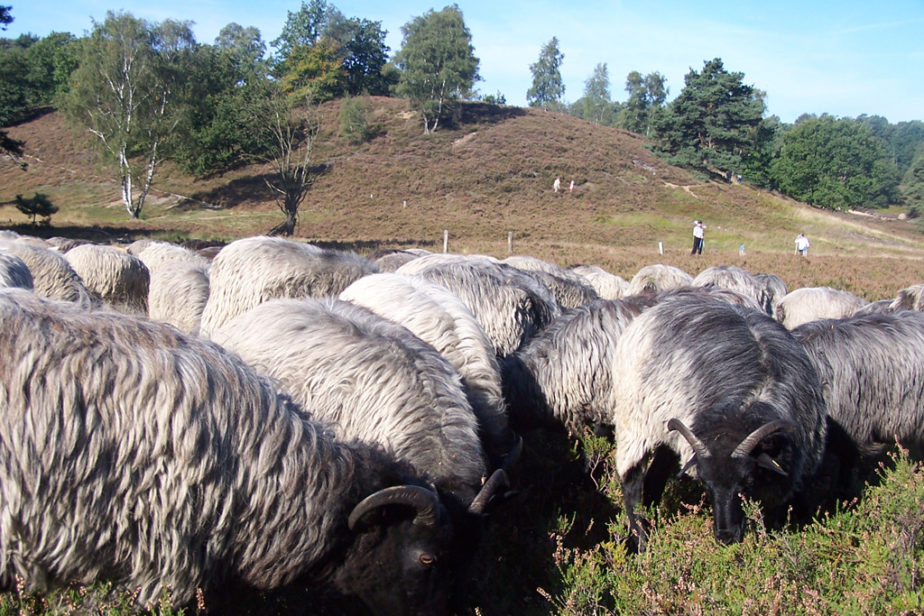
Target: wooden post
{"x": 660, "y": 248}
{"x": 445, "y": 240}
{"x": 509, "y": 242}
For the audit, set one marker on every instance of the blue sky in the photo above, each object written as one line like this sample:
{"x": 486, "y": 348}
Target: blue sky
{"x": 843, "y": 58}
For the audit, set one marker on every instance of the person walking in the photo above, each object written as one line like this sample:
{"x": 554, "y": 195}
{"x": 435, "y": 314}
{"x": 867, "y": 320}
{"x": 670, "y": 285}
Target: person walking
{"x": 699, "y": 234}
{"x": 556, "y": 185}
{"x": 802, "y": 244}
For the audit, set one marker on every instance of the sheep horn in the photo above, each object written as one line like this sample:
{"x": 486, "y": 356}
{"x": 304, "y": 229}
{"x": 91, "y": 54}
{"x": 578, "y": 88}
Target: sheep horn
{"x": 497, "y": 479}
{"x": 425, "y": 501}
{"x": 698, "y": 446}
{"x": 754, "y": 438}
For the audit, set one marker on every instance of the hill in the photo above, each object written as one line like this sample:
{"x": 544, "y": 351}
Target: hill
{"x": 484, "y": 176}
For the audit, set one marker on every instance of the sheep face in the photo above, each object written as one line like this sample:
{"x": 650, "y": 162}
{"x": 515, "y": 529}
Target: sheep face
{"x": 399, "y": 559}
{"x": 734, "y": 464}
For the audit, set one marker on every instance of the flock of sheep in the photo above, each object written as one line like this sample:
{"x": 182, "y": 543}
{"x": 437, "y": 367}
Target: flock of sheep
{"x": 277, "y": 414}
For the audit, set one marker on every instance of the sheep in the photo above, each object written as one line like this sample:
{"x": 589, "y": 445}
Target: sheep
{"x": 561, "y": 376}
{"x": 250, "y": 271}
{"x": 178, "y": 293}
{"x": 910, "y": 298}
{"x": 737, "y": 279}
{"x": 569, "y": 288}
{"x": 116, "y": 278}
{"x": 393, "y": 259}
{"x": 729, "y": 296}
{"x": 872, "y": 371}
{"x": 775, "y": 290}
{"x": 52, "y": 276}
{"x": 728, "y": 384}
{"x": 154, "y": 254}
{"x": 14, "y": 272}
{"x": 658, "y": 277}
{"x": 132, "y": 452}
{"x": 509, "y": 305}
{"x": 607, "y": 285}
{"x": 440, "y": 319}
{"x": 811, "y": 303}
{"x": 371, "y": 379}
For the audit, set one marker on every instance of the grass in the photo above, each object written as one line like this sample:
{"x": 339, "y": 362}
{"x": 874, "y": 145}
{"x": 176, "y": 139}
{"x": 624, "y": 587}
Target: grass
{"x": 556, "y": 546}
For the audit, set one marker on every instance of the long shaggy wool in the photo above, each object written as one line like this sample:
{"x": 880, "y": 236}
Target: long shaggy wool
{"x": 441, "y": 319}
{"x": 52, "y": 276}
{"x": 872, "y": 371}
{"x": 371, "y": 379}
{"x": 686, "y": 355}
{"x": 118, "y": 279}
{"x": 736, "y": 279}
{"x": 511, "y": 306}
{"x": 607, "y": 285}
{"x": 812, "y": 303}
{"x": 658, "y": 277}
{"x": 14, "y": 272}
{"x": 250, "y": 271}
{"x": 569, "y": 288}
{"x": 131, "y": 452}
{"x": 563, "y": 376}
{"x": 178, "y": 293}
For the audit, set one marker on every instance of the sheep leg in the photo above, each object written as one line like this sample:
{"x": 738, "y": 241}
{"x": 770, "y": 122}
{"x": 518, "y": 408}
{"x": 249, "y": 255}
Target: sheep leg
{"x": 633, "y": 483}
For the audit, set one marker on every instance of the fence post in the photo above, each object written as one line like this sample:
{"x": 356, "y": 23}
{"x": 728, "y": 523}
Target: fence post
{"x": 445, "y": 240}
{"x": 509, "y": 242}
{"x": 660, "y": 248}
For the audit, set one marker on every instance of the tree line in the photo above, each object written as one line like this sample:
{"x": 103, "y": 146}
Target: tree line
{"x": 148, "y": 91}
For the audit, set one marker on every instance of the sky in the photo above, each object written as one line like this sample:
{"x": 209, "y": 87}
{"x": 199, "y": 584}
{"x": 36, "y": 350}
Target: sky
{"x": 843, "y": 58}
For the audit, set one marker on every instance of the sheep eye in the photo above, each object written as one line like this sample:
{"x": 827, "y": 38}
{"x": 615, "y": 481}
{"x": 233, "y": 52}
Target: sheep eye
{"x": 427, "y": 559}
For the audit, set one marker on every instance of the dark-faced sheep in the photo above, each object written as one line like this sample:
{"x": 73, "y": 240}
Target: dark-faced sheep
{"x": 441, "y": 319}
{"x": 371, "y": 379}
{"x": 250, "y": 271}
{"x": 872, "y": 371}
{"x": 511, "y": 306}
{"x": 132, "y": 452}
{"x": 812, "y": 303}
{"x": 730, "y": 391}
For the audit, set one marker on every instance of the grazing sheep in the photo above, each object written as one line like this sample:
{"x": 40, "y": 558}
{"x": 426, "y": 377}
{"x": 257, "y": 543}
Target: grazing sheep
{"x": 811, "y": 303}
{"x": 569, "y": 288}
{"x": 250, "y": 271}
{"x": 14, "y": 272}
{"x": 775, "y": 289}
{"x": 116, "y": 278}
{"x": 736, "y": 279}
{"x": 52, "y": 276}
{"x": 730, "y": 391}
{"x": 607, "y": 285}
{"x": 511, "y": 306}
{"x": 872, "y": 370}
{"x": 562, "y": 376}
{"x": 154, "y": 254}
{"x": 658, "y": 277}
{"x": 728, "y": 296}
{"x": 910, "y": 298}
{"x": 393, "y": 259}
{"x": 371, "y": 379}
{"x": 135, "y": 453}
{"x": 178, "y": 293}
{"x": 440, "y": 319}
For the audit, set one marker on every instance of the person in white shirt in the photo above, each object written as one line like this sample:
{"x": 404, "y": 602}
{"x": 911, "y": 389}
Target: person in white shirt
{"x": 802, "y": 244}
{"x": 699, "y": 233}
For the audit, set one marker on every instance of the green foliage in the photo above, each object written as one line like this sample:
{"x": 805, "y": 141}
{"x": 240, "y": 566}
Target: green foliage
{"x": 37, "y": 205}
{"x": 495, "y": 99}
{"x": 364, "y": 54}
{"x": 837, "y": 164}
{"x": 646, "y": 101}
{"x": 710, "y": 126}
{"x": 303, "y": 28}
{"x": 913, "y": 186}
{"x": 127, "y": 92}
{"x": 548, "y": 88}
{"x": 316, "y": 68}
{"x": 437, "y": 62}
{"x": 354, "y": 122}
{"x": 595, "y": 106}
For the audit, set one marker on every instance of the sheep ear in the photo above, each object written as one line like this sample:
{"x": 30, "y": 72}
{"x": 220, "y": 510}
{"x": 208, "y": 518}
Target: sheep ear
{"x": 765, "y": 461}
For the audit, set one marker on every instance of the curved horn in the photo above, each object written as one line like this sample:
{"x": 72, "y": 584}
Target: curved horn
{"x": 754, "y": 438}
{"x": 511, "y": 457}
{"x": 497, "y": 480}
{"x": 698, "y": 446}
{"x": 425, "y": 501}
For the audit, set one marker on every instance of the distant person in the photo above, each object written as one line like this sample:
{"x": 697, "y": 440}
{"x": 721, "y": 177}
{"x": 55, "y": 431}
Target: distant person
{"x": 699, "y": 235}
{"x": 571, "y": 187}
{"x": 556, "y": 185}
{"x": 802, "y": 244}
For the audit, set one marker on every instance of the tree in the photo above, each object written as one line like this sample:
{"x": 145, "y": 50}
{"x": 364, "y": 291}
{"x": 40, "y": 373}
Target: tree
{"x": 303, "y": 27}
{"x": 547, "y": 89}
{"x": 244, "y": 47}
{"x": 437, "y": 63}
{"x": 595, "y": 106}
{"x": 318, "y": 68}
{"x": 836, "y": 164}
{"x": 710, "y": 126}
{"x": 38, "y": 205}
{"x": 913, "y": 185}
{"x": 5, "y": 17}
{"x": 123, "y": 93}
{"x": 646, "y": 99}
{"x": 364, "y": 54}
